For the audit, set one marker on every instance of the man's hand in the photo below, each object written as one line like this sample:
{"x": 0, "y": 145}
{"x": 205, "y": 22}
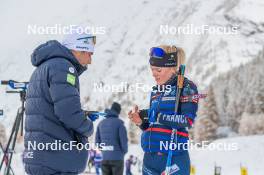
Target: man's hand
{"x": 133, "y": 115}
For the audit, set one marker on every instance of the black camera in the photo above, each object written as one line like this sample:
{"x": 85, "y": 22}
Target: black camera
{"x": 15, "y": 86}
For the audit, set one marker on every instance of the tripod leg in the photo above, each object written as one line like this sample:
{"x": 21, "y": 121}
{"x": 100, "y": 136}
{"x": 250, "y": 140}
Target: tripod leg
{"x": 9, "y": 141}
{"x": 6, "y": 158}
{"x": 12, "y": 171}
{"x": 14, "y": 142}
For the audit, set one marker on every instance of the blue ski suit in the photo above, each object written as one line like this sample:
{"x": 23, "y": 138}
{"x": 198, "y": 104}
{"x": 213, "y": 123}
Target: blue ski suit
{"x": 157, "y": 129}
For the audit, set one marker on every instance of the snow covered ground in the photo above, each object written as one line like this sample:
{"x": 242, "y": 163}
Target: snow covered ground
{"x": 249, "y": 153}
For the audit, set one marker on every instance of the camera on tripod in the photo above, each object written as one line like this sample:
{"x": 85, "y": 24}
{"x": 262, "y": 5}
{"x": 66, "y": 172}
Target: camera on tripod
{"x": 15, "y": 86}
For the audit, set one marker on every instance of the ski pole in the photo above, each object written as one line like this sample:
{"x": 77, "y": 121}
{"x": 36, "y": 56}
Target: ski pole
{"x": 180, "y": 81}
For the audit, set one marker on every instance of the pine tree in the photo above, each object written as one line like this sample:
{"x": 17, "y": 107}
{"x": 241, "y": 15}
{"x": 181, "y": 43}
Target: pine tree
{"x": 207, "y": 123}
{"x": 251, "y": 124}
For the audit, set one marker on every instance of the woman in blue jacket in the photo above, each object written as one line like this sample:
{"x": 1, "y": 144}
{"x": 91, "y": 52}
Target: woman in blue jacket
{"x": 160, "y": 119}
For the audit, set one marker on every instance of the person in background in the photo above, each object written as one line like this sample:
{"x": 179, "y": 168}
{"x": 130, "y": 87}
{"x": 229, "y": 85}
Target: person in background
{"x": 112, "y": 132}
{"x": 130, "y": 161}
{"x": 91, "y": 159}
{"x": 98, "y": 161}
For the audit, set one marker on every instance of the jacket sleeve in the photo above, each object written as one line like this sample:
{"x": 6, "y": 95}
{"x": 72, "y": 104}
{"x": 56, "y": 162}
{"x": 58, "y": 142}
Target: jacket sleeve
{"x": 187, "y": 111}
{"x": 123, "y": 138}
{"x": 66, "y": 99}
{"x": 97, "y": 136}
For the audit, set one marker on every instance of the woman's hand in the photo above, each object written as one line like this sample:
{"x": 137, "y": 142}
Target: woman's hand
{"x": 133, "y": 115}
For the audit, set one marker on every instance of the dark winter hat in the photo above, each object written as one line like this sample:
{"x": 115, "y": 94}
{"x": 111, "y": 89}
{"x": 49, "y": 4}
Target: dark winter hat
{"x": 116, "y": 107}
{"x": 159, "y": 58}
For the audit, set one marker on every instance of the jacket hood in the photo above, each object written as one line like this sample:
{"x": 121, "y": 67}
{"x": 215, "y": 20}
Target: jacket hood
{"x": 53, "y": 49}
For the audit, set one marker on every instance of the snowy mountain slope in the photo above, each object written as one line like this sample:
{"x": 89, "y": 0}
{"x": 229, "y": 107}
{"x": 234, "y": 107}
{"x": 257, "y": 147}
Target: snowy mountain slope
{"x": 208, "y": 55}
{"x": 131, "y": 29}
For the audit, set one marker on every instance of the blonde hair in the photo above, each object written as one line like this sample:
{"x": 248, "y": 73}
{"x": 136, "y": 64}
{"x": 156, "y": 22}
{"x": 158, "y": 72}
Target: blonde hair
{"x": 180, "y": 53}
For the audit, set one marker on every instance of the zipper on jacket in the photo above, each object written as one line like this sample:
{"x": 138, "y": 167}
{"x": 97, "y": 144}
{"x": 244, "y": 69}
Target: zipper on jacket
{"x": 151, "y": 125}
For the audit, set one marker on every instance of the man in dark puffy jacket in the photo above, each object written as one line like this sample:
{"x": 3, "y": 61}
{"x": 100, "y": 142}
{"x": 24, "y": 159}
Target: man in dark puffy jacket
{"x": 112, "y": 132}
{"x": 55, "y": 122}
